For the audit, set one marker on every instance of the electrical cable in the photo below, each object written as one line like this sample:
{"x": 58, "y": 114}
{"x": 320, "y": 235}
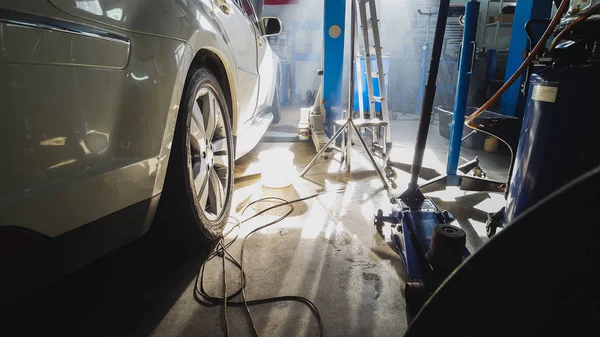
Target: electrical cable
{"x": 222, "y": 241}
{"x": 220, "y": 249}
{"x": 571, "y": 25}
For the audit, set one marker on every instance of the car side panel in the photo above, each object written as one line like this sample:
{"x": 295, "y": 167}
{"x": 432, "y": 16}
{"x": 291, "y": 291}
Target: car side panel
{"x": 269, "y": 70}
{"x": 88, "y": 136}
{"x": 240, "y": 40}
{"x": 192, "y": 21}
{"x": 264, "y": 68}
{"x": 155, "y": 17}
{"x": 91, "y": 135}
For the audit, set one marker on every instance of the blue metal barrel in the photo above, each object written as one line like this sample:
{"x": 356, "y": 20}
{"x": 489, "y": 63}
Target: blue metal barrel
{"x": 559, "y": 137}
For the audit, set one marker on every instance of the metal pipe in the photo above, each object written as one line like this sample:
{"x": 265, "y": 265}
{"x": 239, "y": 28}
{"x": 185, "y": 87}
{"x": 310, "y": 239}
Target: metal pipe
{"x": 462, "y": 86}
{"x": 351, "y": 74}
{"x": 469, "y": 135}
{"x": 425, "y": 56}
{"x": 323, "y": 149}
{"x": 361, "y": 110}
{"x": 366, "y": 148}
{"x": 367, "y": 46}
{"x": 428, "y": 97}
{"x": 351, "y": 59}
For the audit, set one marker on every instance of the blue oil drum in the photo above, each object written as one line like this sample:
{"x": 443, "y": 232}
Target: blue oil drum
{"x": 365, "y": 91}
{"x": 559, "y": 137}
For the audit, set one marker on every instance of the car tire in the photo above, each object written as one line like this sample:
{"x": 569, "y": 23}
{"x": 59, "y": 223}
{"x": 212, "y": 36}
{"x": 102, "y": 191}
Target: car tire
{"x": 199, "y": 182}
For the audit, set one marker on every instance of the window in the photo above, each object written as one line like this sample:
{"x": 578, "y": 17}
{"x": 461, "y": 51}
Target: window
{"x": 248, "y": 8}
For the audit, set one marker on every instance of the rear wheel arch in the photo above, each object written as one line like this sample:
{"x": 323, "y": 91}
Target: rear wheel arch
{"x": 214, "y": 61}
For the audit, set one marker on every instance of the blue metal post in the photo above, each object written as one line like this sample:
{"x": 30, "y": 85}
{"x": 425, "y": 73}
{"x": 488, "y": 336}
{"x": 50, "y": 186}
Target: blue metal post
{"x": 513, "y": 102}
{"x": 334, "y": 18}
{"x": 465, "y": 68}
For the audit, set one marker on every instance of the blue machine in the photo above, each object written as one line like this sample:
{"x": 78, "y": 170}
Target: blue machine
{"x": 558, "y": 139}
{"x": 365, "y": 91}
{"x": 512, "y": 102}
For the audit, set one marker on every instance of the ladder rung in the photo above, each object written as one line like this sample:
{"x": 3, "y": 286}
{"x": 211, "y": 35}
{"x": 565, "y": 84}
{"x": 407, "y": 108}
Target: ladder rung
{"x": 370, "y": 22}
{"x": 377, "y": 99}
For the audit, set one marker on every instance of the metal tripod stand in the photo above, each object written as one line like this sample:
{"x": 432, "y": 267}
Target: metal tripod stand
{"x": 348, "y": 125}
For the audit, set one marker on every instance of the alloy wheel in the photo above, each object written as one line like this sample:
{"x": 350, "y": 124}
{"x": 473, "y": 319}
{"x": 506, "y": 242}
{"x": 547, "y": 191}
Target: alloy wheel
{"x": 209, "y": 154}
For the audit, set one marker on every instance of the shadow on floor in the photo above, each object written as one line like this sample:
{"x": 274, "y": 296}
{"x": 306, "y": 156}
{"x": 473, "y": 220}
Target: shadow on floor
{"x": 125, "y": 293}
{"x": 404, "y": 133}
{"x": 331, "y": 256}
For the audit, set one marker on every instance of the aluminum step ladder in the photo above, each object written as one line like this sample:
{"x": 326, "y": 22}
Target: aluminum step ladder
{"x": 369, "y": 23}
{"x": 346, "y": 128}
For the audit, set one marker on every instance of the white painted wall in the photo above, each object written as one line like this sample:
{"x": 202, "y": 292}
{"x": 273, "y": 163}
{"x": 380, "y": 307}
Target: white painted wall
{"x": 305, "y": 10}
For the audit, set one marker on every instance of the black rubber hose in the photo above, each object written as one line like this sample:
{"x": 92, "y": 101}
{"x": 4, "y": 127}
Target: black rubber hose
{"x": 203, "y": 297}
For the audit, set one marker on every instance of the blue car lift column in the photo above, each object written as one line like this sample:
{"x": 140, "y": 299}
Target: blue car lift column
{"x": 456, "y": 175}
{"x": 333, "y": 60}
{"x": 513, "y": 102}
{"x": 465, "y": 70}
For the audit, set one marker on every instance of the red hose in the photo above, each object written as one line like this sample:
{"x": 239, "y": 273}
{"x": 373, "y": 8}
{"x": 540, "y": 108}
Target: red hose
{"x": 570, "y": 26}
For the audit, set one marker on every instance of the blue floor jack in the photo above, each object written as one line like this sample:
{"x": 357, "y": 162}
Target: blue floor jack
{"x": 430, "y": 247}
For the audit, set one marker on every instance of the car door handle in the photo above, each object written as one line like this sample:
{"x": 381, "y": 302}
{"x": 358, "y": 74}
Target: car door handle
{"x": 223, "y": 6}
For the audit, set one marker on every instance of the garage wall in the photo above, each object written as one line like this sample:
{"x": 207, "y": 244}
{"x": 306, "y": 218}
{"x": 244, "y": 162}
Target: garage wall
{"x": 307, "y": 41}
{"x": 403, "y": 33}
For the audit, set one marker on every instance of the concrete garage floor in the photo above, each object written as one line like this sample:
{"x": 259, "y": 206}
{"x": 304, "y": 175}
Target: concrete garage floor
{"x": 327, "y": 250}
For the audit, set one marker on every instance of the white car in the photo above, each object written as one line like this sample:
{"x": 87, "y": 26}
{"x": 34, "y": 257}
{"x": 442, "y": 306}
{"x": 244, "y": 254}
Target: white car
{"x": 110, "y": 108}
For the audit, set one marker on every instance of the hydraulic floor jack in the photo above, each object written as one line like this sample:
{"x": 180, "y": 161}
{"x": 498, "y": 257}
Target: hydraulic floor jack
{"x": 430, "y": 247}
